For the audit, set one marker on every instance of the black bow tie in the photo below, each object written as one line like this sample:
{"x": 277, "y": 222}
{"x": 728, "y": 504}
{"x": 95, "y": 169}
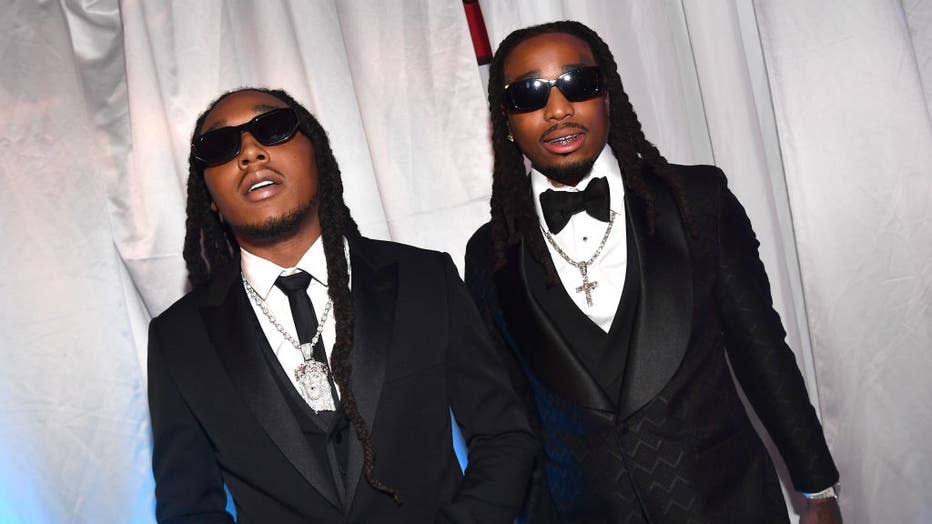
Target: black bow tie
{"x": 559, "y": 206}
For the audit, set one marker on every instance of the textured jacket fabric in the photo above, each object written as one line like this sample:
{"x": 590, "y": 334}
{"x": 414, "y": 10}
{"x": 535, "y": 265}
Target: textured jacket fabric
{"x": 675, "y": 445}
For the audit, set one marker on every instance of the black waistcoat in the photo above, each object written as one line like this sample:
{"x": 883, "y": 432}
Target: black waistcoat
{"x": 604, "y": 355}
{"x": 326, "y": 432}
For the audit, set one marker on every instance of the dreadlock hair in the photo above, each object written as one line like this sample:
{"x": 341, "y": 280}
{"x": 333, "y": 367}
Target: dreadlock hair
{"x": 209, "y": 245}
{"x": 512, "y": 208}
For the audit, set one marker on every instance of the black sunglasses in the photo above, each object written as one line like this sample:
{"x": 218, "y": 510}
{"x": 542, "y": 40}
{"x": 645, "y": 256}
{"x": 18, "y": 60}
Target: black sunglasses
{"x": 222, "y": 145}
{"x": 532, "y": 94}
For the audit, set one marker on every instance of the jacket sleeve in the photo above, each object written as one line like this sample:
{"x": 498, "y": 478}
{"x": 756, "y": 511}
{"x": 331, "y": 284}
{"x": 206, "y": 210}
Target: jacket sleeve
{"x": 763, "y": 363}
{"x": 500, "y": 444}
{"x": 188, "y": 483}
{"x": 538, "y": 506}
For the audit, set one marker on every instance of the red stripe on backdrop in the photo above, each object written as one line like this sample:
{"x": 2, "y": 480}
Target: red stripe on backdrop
{"x": 480, "y": 38}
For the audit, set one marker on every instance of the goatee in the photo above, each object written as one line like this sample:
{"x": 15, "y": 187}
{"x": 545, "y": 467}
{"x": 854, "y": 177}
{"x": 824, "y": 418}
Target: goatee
{"x": 277, "y": 228}
{"x": 569, "y": 175}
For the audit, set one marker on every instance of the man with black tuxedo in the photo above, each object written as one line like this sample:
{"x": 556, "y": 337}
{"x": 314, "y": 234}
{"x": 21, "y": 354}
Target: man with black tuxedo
{"x": 308, "y": 357}
{"x": 619, "y": 283}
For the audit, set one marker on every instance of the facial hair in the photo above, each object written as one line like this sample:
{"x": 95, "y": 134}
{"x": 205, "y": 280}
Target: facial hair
{"x": 569, "y": 175}
{"x": 276, "y": 229}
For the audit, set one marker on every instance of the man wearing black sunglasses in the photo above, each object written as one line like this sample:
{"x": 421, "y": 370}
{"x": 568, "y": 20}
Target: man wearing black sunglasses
{"x": 618, "y": 282}
{"x": 312, "y": 371}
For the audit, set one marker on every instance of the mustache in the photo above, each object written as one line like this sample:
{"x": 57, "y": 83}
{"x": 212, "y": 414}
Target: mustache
{"x": 564, "y": 125}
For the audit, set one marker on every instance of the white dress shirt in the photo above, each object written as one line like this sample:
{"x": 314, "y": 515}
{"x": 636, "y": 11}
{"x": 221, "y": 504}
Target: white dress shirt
{"x": 581, "y": 237}
{"x": 261, "y": 275}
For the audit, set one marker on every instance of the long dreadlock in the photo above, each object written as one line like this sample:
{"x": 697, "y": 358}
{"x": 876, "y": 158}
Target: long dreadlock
{"x": 210, "y": 245}
{"x": 512, "y": 207}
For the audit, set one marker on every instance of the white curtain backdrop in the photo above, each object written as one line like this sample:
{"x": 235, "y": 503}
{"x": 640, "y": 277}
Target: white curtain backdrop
{"x": 818, "y": 111}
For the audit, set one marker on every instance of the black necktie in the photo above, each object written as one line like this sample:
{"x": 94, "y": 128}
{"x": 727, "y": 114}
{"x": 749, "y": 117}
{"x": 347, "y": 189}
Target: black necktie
{"x": 305, "y": 319}
{"x": 559, "y": 206}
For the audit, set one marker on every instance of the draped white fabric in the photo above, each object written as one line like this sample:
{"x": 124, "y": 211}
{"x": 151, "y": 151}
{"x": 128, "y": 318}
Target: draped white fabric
{"x": 817, "y": 111}
{"x": 857, "y": 149}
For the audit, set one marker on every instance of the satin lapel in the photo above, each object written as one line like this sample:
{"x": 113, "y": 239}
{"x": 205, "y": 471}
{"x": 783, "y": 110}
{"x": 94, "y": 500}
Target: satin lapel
{"x": 375, "y": 291}
{"x": 232, "y": 327}
{"x": 542, "y": 346}
{"x": 664, "y": 317}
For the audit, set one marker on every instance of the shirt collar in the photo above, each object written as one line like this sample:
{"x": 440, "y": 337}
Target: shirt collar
{"x": 606, "y": 165}
{"x": 261, "y": 273}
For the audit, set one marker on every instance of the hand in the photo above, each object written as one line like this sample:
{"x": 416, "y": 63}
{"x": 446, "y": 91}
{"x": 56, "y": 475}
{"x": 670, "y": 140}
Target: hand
{"x": 821, "y": 511}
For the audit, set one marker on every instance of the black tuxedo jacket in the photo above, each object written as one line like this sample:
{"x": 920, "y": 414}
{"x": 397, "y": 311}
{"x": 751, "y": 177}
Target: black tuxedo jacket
{"x": 674, "y": 444}
{"x": 420, "y": 350}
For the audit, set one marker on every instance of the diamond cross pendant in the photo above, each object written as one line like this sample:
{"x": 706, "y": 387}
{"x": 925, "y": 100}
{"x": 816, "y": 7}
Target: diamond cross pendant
{"x": 586, "y": 286}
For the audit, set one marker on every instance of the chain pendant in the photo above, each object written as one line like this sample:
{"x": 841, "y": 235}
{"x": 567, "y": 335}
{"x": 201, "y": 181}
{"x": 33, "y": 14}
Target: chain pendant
{"x": 586, "y": 286}
{"x": 311, "y": 375}
{"x": 583, "y": 266}
{"x": 313, "y": 385}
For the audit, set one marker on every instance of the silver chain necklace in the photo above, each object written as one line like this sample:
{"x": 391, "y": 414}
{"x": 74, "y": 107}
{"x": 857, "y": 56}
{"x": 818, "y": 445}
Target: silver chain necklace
{"x": 311, "y": 375}
{"x": 583, "y": 267}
